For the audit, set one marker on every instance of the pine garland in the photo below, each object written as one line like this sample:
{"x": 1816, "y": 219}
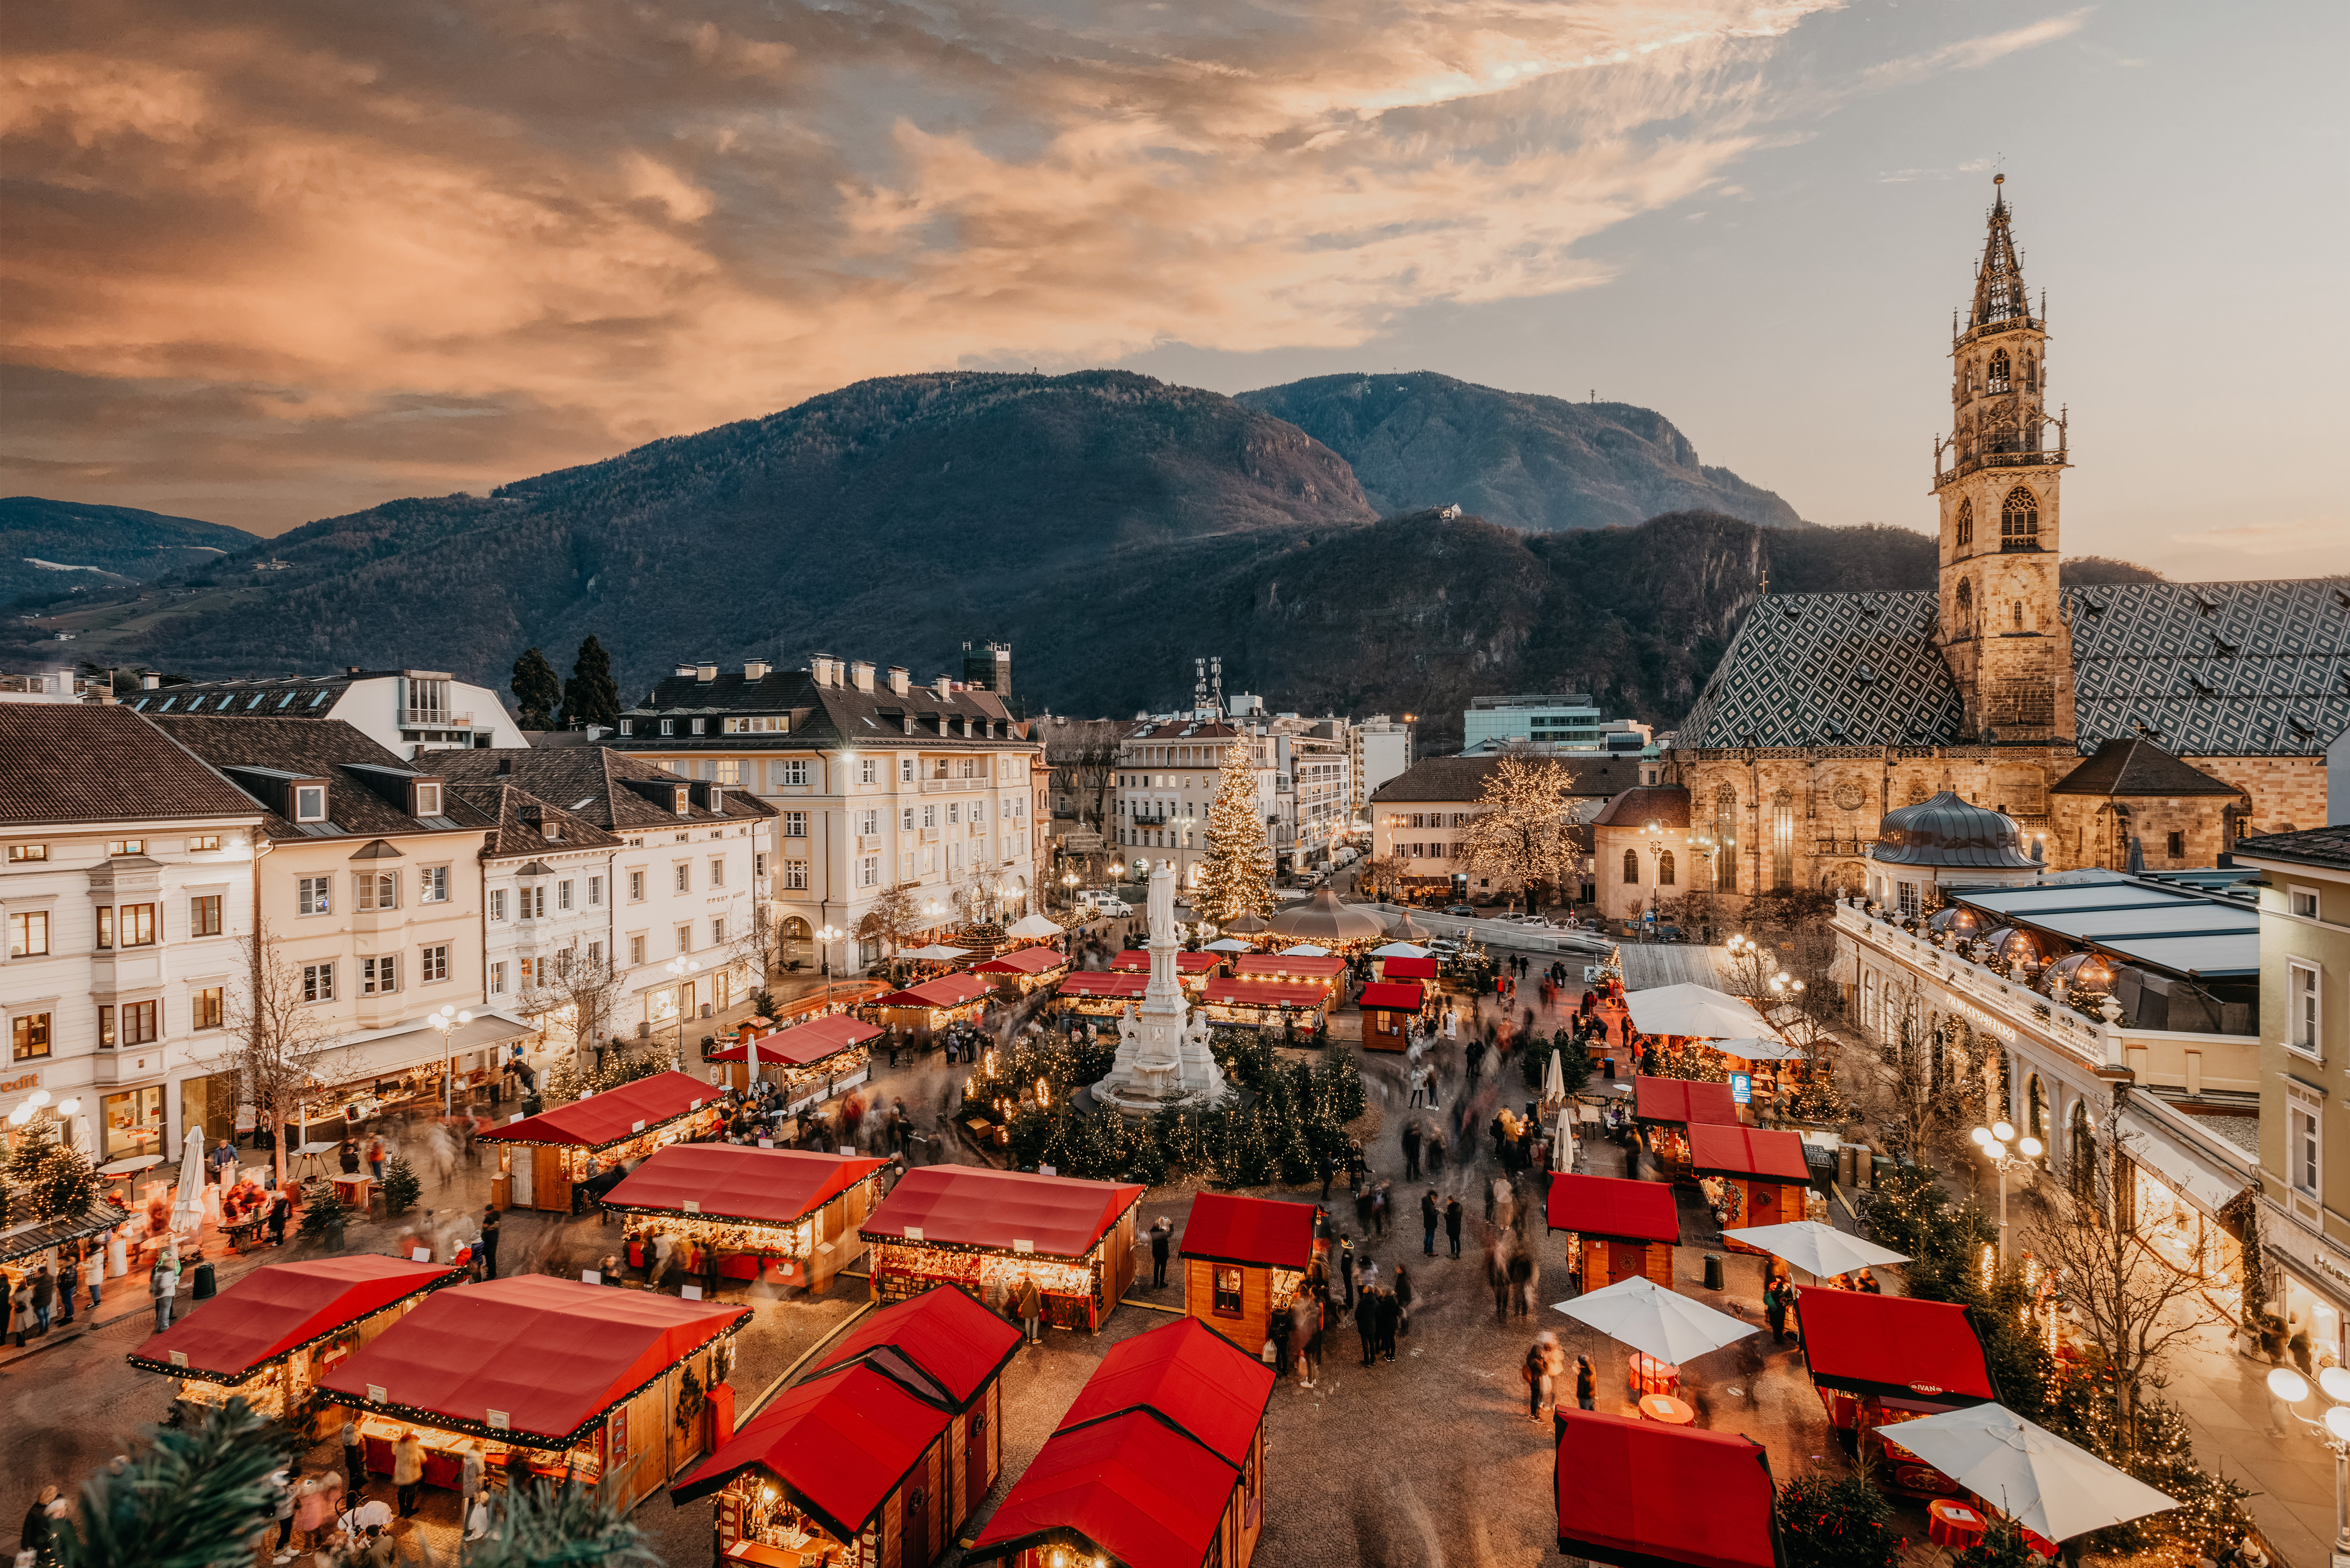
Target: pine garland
{"x": 1236, "y": 878}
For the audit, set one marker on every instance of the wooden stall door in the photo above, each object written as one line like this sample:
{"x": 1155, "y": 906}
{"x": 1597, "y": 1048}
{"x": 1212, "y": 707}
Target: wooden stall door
{"x": 957, "y": 1485}
{"x": 1661, "y": 1263}
{"x": 522, "y": 1194}
{"x": 1625, "y": 1261}
{"x": 1763, "y": 1205}
{"x": 550, "y": 1180}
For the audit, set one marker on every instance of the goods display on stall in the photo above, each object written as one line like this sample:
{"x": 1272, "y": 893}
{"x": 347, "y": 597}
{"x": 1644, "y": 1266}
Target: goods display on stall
{"x": 808, "y": 1062}
{"x": 1751, "y": 1177}
{"x": 269, "y": 1337}
{"x": 1327, "y": 970}
{"x": 1665, "y": 1108}
{"x": 1390, "y": 1009}
{"x": 1881, "y": 1361}
{"x": 983, "y": 1229}
{"x": 1262, "y": 1000}
{"x": 1099, "y": 993}
{"x": 780, "y": 1216}
{"x": 1024, "y": 969}
{"x": 1624, "y": 1230}
{"x": 1175, "y": 1417}
{"x": 1243, "y": 1259}
{"x": 584, "y": 1381}
{"x": 1628, "y": 1495}
{"x": 544, "y": 1156}
{"x": 880, "y": 1455}
{"x": 927, "y": 1008}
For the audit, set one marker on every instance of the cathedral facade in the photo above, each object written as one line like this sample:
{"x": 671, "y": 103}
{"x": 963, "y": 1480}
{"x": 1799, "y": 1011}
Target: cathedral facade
{"x": 2141, "y": 724}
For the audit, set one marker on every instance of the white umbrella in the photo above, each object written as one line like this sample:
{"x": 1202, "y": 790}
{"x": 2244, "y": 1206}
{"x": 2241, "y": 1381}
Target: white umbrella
{"x": 1759, "y": 1050}
{"x": 1697, "y": 1012}
{"x": 1655, "y": 1321}
{"x": 2045, "y": 1484}
{"x": 935, "y": 950}
{"x": 188, "y": 1202}
{"x": 1226, "y": 945}
{"x": 1033, "y": 926}
{"x": 1399, "y": 950}
{"x": 1554, "y": 1077}
{"x": 1304, "y": 950}
{"x": 1822, "y": 1248}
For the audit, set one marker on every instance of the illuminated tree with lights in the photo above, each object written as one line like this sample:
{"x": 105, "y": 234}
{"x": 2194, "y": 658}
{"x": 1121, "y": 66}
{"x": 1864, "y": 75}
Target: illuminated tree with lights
{"x": 47, "y": 1179}
{"x": 1236, "y": 878}
{"x": 1520, "y": 835}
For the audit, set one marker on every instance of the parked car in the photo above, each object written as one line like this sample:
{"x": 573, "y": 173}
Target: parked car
{"x": 1442, "y": 947}
{"x": 1104, "y": 904}
{"x": 1462, "y": 911}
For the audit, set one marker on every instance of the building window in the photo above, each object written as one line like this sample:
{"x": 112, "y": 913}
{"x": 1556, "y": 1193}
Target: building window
{"x": 378, "y": 890}
{"x": 669, "y": 726}
{"x": 697, "y": 724}
{"x": 28, "y": 934}
{"x": 105, "y": 1026}
{"x": 428, "y": 800}
{"x": 209, "y": 1011}
{"x": 127, "y": 847}
{"x": 718, "y": 930}
{"x": 791, "y": 775}
{"x": 378, "y": 976}
{"x": 635, "y": 951}
{"x": 432, "y": 885}
{"x": 1966, "y": 524}
{"x": 1725, "y": 834}
{"x": 205, "y": 916}
{"x": 795, "y": 825}
{"x": 497, "y": 979}
{"x": 29, "y": 1035}
{"x": 202, "y": 842}
{"x": 1227, "y": 1281}
{"x": 685, "y": 939}
{"x": 136, "y": 925}
{"x": 1998, "y": 381}
{"x": 316, "y": 896}
{"x": 636, "y": 886}
{"x": 2301, "y": 1008}
{"x": 317, "y": 982}
{"x": 435, "y": 964}
{"x": 2019, "y": 520}
{"x": 22, "y": 853}
{"x": 795, "y": 874}
{"x": 139, "y": 1023}
{"x": 497, "y": 903}
{"x": 310, "y": 803}
{"x": 595, "y": 892}
{"x": 868, "y": 871}
{"x": 718, "y": 871}
{"x": 2178, "y": 846}
{"x": 1665, "y": 869}
{"x": 563, "y": 893}
{"x": 627, "y": 726}
{"x": 2302, "y": 1148}
{"x": 906, "y": 819}
{"x": 868, "y": 770}
{"x": 1783, "y": 842}
{"x": 2303, "y": 902}
{"x": 905, "y": 769}
{"x": 595, "y": 954}
{"x": 1631, "y": 867}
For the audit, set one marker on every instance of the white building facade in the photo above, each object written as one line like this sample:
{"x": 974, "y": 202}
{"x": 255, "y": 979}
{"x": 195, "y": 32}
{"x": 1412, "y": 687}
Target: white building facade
{"x": 406, "y": 711}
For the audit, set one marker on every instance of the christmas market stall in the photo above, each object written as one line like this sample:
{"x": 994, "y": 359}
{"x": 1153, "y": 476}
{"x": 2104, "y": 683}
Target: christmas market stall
{"x": 1192, "y": 969}
{"x": 881, "y": 1453}
{"x": 1262, "y": 1000}
{"x": 1099, "y": 993}
{"x": 780, "y": 1216}
{"x": 927, "y": 1008}
{"x": 1024, "y": 969}
{"x": 542, "y": 1157}
{"x": 1878, "y": 1361}
{"x": 1389, "y": 1011}
{"x": 1622, "y": 1230}
{"x": 1414, "y": 970}
{"x": 1667, "y": 1107}
{"x": 808, "y": 1062}
{"x": 1161, "y": 1463}
{"x": 609, "y": 1386}
{"x": 1628, "y": 1490}
{"x": 1752, "y": 1177}
{"x": 1243, "y": 1259}
{"x": 1325, "y": 970}
{"x": 984, "y": 1230}
{"x": 269, "y": 1337}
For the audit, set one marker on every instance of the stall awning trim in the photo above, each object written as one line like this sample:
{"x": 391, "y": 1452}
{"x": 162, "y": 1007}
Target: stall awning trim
{"x": 737, "y": 1182}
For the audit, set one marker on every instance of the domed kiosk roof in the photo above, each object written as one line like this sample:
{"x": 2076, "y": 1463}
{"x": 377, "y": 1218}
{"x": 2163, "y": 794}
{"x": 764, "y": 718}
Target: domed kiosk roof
{"x": 1949, "y": 831}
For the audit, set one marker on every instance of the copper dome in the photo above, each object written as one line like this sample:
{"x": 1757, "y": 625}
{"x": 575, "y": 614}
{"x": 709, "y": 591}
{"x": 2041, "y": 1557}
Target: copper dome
{"x": 1948, "y": 831}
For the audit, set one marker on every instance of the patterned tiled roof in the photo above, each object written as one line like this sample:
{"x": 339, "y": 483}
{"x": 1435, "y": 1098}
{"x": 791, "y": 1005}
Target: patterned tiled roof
{"x": 1830, "y": 670}
{"x": 2213, "y": 668}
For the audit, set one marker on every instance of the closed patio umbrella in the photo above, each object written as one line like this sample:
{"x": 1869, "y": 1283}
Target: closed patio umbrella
{"x": 1656, "y": 1322}
{"x": 1554, "y": 1079}
{"x": 188, "y": 1202}
{"x": 1227, "y": 945}
{"x": 2049, "y": 1486}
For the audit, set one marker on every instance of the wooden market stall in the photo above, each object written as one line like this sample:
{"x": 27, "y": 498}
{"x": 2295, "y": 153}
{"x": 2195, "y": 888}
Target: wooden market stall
{"x": 269, "y": 1337}
{"x": 1420, "y": 972}
{"x": 1192, "y": 969}
{"x": 927, "y": 1008}
{"x": 1389, "y": 1010}
{"x": 1624, "y": 1230}
{"x": 982, "y": 1229}
{"x": 780, "y": 1216}
{"x": 1878, "y": 1361}
{"x": 1024, "y": 969}
{"x": 808, "y": 1062}
{"x": 1759, "y": 1176}
{"x": 1327, "y": 970}
{"x": 1161, "y": 1463}
{"x": 1243, "y": 1259}
{"x": 1099, "y": 993}
{"x": 1262, "y": 1000}
{"x": 582, "y": 1380}
{"x": 1630, "y": 1494}
{"x": 542, "y": 1156}
{"x": 882, "y": 1452}
{"x": 1666, "y": 1107}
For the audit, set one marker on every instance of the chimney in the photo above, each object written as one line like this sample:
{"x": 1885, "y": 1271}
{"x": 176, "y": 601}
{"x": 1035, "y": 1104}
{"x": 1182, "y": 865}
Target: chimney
{"x": 944, "y": 685}
{"x": 825, "y": 669}
{"x": 706, "y": 672}
{"x": 861, "y": 674}
{"x": 897, "y": 679}
{"x": 149, "y": 682}
{"x": 685, "y": 669}
{"x": 754, "y": 669}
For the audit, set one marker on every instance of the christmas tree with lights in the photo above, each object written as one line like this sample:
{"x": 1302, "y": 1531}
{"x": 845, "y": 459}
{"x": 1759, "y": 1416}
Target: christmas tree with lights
{"x": 47, "y": 1179}
{"x": 1236, "y": 878}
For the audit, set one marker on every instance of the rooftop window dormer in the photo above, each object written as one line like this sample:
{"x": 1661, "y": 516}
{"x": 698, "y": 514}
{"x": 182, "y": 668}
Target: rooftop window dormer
{"x": 424, "y": 797}
{"x": 309, "y": 800}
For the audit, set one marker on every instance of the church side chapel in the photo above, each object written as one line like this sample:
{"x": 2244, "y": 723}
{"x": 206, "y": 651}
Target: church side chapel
{"x": 2143, "y": 725}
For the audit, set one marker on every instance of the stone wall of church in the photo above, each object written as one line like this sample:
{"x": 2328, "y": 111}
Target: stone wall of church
{"x": 2090, "y": 833}
{"x": 2287, "y": 793}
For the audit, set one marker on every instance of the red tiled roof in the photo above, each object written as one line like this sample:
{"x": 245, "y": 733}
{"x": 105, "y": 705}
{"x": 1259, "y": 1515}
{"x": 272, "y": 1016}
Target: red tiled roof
{"x": 953, "y": 1341}
{"x": 1200, "y": 1382}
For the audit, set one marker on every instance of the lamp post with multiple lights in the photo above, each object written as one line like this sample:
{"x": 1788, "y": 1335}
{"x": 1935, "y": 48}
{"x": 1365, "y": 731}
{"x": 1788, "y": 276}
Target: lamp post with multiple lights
{"x": 2332, "y": 1427}
{"x": 1995, "y": 1142}
{"x": 447, "y": 1019}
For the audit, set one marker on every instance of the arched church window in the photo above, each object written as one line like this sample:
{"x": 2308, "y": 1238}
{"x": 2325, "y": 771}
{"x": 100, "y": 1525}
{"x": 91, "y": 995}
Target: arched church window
{"x": 1966, "y": 611}
{"x": 1725, "y": 834}
{"x": 2016, "y": 611}
{"x": 2019, "y": 520}
{"x": 1631, "y": 866}
{"x": 1665, "y": 868}
{"x": 1783, "y": 842}
{"x": 1999, "y": 373}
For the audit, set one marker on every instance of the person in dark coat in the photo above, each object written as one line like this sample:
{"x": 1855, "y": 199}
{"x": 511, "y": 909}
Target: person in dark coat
{"x": 1774, "y": 1312}
{"x": 39, "y": 1529}
{"x": 1163, "y": 1235}
{"x": 1429, "y": 1215}
{"x": 1411, "y": 1141}
{"x": 1520, "y": 1272}
{"x": 281, "y": 1210}
{"x": 1402, "y": 1308}
{"x": 1452, "y": 1226}
{"x": 490, "y": 1227}
{"x": 1367, "y": 1323}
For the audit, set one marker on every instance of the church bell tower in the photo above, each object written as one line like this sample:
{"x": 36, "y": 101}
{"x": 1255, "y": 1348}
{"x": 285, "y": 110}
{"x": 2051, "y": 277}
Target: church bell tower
{"x": 1996, "y": 479}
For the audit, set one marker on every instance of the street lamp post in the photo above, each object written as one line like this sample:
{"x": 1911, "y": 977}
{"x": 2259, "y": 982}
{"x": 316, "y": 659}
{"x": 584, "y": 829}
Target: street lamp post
{"x": 827, "y": 935}
{"x": 2334, "y": 1428}
{"x": 1069, "y": 883}
{"x": 679, "y": 968}
{"x": 1994, "y": 1140}
{"x": 447, "y": 1019}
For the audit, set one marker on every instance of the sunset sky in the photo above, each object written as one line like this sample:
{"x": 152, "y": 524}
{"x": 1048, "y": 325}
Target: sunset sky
{"x": 264, "y": 261}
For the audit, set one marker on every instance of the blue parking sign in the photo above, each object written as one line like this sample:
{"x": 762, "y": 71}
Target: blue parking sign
{"x": 1742, "y": 1088}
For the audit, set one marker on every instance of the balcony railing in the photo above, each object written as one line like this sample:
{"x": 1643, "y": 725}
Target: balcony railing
{"x": 434, "y": 718}
{"x": 1984, "y": 460}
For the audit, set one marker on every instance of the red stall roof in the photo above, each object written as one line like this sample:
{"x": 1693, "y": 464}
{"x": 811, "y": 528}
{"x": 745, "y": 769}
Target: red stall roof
{"x": 1198, "y": 1381}
{"x": 1625, "y": 1489}
{"x": 953, "y": 990}
{"x": 1230, "y": 1228}
{"x": 1258, "y": 992}
{"x": 1680, "y": 1100}
{"x": 1130, "y": 1488}
{"x": 1327, "y": 966}
{"x": 941, "y": 1345}
{"x": 736, "y": 1181}
{"x": 1746, "y": 1151}
{"x": 1611, "y": 1206}
{"x": 551, "y": 1355}
{"x": 1024, "y": 961}
{"x": 1137, "y": 960}
{"x": 973, "y": 1206}
{"x": 278, "y": 1308}
{"x": 840, "y": 1445}
{"x": 1895, "y": 1347}
{"x": 1408, "y": 969}
{"x": 1101, "y": 982}
{"x": 803, "y": 1044}
{"x": 614, "y": 1115}
{"x": 1389, "y": 998}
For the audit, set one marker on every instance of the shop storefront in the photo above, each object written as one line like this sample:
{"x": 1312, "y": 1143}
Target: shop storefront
{"x": 2174, "y": 1203}
{"x": 1391, "y": 1009}
{"x": 983, "y": 1230}
{"x": 132, "y": 1125}
{"x": 786, "y": 1217}
{"x": 541, "y": 1156}
{"x": 1243, "y": 1259}
{"x": 1752, "y": 1177}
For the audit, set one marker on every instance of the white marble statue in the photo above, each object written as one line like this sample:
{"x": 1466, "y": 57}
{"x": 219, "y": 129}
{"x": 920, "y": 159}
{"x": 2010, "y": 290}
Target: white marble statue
{"x": 1162, "y": 1051}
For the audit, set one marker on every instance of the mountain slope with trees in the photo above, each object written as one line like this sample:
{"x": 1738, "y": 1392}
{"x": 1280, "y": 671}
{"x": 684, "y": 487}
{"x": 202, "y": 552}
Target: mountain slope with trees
{"x": 89, "y": 547}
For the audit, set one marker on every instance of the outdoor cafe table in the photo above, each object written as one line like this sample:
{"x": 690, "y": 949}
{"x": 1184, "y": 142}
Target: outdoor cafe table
{"x": 1664, "y": 1408}
{"x": 1651, "y": 1376}
{"x": 1953, "y": 1524}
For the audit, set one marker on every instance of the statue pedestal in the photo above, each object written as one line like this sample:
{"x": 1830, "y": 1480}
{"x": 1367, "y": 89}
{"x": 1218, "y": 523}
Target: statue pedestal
{"x": 1162, "y": 1053}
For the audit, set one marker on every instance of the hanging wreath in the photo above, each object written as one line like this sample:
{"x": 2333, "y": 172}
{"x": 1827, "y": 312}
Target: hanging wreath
{"x": 690, "y": 1398}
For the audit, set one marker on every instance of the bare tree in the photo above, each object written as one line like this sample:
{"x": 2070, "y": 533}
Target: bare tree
{"x": 1523, "y": 832}
{"x": 2132, "y": 1302}
{"x": 278, "y": 1045}
{"x": 1083, "y": 755}
{"x": 575, "y": 993}
{"x": 1907, "y": 1081}
{"x": 1382, "y": 875}
{"x": 892, "y": 918}
{"x": 759, "y": 946}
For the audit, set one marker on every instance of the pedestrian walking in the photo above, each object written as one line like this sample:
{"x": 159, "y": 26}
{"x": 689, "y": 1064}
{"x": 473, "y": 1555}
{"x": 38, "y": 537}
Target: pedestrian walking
{"x": 1162, "y": 1234}
{"x": 1313, "y": 1325}
{"x": 1403, "y": 1304}
{"x": 375, "y": 1157}
{"x": 1281, "y": 1334}
{"x": 163, "y": 1284}
{"x": 39, "y": 1532}
{"x": 44, "y": 1291}
{"x": 1452, "y": 1225}
{"x": 1520, "y": 1275}
{"x": 355, "y": 1455}
{"x": 1429, "y": 1215}
{"x": 489, "y": 1228}
{"x": 407, "y": 1468}
{"x": 1774, "y": 1312}
{"x": 93, "y": 1275}
{"x": 1535, "y": 1371}
{"x": 281, "y": 1211}
{"x": 1411, "y": 1142}
{"x": 1497, "y": 1275}
{"x": 1586, "y": 1380}
{"x": 1029, "y": 1303}
{"x": 1366, "y": 1324}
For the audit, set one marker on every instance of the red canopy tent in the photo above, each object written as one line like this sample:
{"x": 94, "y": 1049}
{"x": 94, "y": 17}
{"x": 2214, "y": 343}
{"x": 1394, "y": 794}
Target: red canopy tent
{"x": 1023, "y": 963}
{"x": 954, "y": 1343}
{"x": 1399, "y": 968}
{"x": 1917, "y": 1355}
{"x": 771, "y": 1213}
{"x": 840, "y": 1445}
{"x": 1669, "y": 1107}
{"x": 1313, "y": 966}
{"x": 1628, "y": 1495}
{"x": 1194, "y": 1377}
{"x": 613, "y": 1116}
{"x": 281, "y": 1308}
{"x": 973, "y": 1226}
{"x": 1626, "y": 1229}
{"x": 1092, "y": 984}
{"x": 803, "y": 1045}
{"x": 1259, "y": 998}
{"x": 948, "y": 990}
{"x": 1137, "y": 960}
{"x": 1762, "y": 1174}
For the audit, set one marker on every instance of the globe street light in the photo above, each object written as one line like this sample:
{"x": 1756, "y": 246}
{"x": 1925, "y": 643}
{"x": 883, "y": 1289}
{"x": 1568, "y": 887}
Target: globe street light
{"x": 447, "y": 1019}
{"x": 2334, "y": 1429}
{"x": 826, "y": 936}
{"x": 1994, "y": 1140}
{"x": 1069, "y": 881}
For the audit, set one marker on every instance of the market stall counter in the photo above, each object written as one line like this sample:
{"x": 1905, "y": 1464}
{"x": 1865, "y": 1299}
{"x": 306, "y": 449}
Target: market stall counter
{"x": 1624, "y": 1230}
{"x": 881, "y": 1453}
{"x": 927, "y": 1008}
{"x": 1327, "y": 971}
{"x": 1097, "y": 993}
{"x": 1878, "y": 1361}
{"x": 601, "y": 1385}
{"x": 269, "y": 1337}
{"x": 1389, "y": 1011}
{"x": 1667, "y": 1107}
{"x": 982, "y": 1229}
{"x": 1625, "y": 1488}
{"x": 1243, "y": 1259}
{"x": 780, "y": 1216}
{"x": 1263, "y": 1000}
{"x": 1752, "y": 1177}
{"x": 808, "y": 1062}
{"x": 1161, "y": 1463}
{"x": 545, "y": 1155}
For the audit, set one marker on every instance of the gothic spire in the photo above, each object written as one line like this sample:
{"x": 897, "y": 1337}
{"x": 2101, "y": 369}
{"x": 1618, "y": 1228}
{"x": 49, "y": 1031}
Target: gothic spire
{"x": 1999, "y": 281}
